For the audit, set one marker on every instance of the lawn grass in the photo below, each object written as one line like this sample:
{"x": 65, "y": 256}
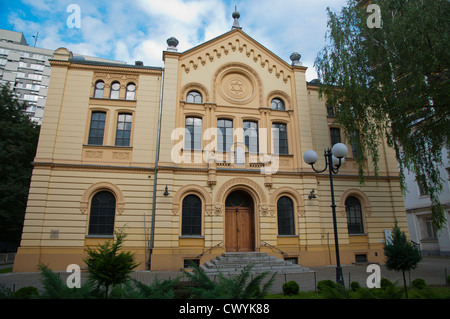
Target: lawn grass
{"x": 432, "y": 292}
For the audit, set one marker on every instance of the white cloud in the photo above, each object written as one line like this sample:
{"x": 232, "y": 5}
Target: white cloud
{"x": 138, "y": 30}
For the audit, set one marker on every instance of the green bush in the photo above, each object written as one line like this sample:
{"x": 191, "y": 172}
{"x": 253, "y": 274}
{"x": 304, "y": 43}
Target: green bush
{"x": 385, "y": 283}
{"x": 240, "y": 286}
{"x": 26, "y": 293}
{"x": 291, "y": 288}
{"x": 447, "y": 280}
{"x": 326, "y": 285}
{"x": 354, "y": 286}
{"x": 419, "y": 283}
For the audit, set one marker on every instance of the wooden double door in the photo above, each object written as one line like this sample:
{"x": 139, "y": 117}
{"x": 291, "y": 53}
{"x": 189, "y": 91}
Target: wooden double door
{"x": 239, "y": 222}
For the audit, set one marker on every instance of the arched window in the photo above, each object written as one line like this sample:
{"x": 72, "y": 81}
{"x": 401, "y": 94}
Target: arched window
{"x": 115, "y": 90}
{"x": 103, "y": 211}
{"x": 131, "y": 90}
{"x": 285, "y": 212}
{"x": 277, "y": 104}
{"x": 98, "y": 90}
{"x": 194, "y": 97}
{"x": 191, "y": 223}
{"x": 354, "y": 215}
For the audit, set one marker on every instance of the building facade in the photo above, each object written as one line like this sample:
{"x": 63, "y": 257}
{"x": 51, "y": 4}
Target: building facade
{"x": 197, "y": 158}
{"x": 418, "y": 211}
{"x": 26, "y": 70}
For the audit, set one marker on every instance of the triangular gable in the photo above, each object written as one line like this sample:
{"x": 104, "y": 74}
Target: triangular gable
{"x": 235, "y": 40}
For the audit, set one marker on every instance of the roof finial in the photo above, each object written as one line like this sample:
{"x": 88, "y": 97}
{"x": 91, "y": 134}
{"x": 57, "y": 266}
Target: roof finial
{"x": 236, "y": 15}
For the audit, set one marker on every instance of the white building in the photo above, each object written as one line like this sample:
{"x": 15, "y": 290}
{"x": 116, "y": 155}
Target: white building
{"x": 27, "y": 70}
{"x": 418, "y": 209}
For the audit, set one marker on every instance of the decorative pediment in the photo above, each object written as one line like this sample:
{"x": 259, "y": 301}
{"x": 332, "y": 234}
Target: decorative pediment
{"x": 235, "y": 42}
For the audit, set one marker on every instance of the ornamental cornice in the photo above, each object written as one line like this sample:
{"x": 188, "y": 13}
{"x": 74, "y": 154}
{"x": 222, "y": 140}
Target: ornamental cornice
{"x": 107, "y": 68}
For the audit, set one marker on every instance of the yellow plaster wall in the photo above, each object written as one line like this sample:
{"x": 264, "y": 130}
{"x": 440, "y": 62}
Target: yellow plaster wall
{"x": 56, "y": 222}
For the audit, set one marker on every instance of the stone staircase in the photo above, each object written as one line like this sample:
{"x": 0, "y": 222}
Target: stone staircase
{"x": 233, "y": 262}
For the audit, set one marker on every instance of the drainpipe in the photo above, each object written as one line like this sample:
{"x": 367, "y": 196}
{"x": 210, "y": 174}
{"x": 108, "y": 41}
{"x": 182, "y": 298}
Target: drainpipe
{"x": 155, "y": 179}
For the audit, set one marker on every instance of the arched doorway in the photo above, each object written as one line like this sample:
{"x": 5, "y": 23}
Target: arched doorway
{"x": 239, "y": 222}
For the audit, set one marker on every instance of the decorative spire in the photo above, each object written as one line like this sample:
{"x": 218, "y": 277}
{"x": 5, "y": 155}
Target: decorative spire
{"x": 236, "y": 15}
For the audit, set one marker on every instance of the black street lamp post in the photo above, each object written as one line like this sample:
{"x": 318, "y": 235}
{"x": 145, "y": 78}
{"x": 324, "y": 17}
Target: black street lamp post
{"x": 333, "y": 160}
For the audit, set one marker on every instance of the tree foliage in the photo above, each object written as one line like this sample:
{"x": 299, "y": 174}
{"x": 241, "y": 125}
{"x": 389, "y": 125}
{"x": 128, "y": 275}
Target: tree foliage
{"x": 392, "y": 84}
{"x": 18, "y": 142}
{"x": 107, "y": 265}
{"x": 401, "y": 254}
{"x": 240, "y": 286}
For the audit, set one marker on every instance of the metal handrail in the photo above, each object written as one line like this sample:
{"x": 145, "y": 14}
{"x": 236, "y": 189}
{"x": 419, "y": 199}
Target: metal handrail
{"x": 210, "y": 249}
{"x": 267, "y": 244}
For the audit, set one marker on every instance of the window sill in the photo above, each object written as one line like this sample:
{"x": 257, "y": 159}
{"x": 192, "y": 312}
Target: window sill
{"x": 110, "y": 99}
{"x": 99, "y": 236}
{"x": 191, "y": 236}
{"x": 108, "y": 146}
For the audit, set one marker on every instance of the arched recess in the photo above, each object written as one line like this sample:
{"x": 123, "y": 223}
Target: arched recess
{"x": 361, "y": 196}
{"x": 195, "y": 87}
{"x": 245, "y": 184}
{"x": 244, "y": 73}
{"x": 280, "y": 94}
{"x": 192, "y": 189}
{"x": 293, "y": 194}
{"x": 94, "y": 188}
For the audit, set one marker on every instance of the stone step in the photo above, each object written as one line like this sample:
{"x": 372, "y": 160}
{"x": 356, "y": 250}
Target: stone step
{"x": 234, "y": 263}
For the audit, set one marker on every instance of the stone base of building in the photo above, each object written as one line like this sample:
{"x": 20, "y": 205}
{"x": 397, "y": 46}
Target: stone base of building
{"x": 28, "y": 259}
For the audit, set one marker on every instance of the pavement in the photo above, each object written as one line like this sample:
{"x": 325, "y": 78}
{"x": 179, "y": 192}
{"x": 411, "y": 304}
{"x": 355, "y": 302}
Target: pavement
{"x": 432, "y": 269}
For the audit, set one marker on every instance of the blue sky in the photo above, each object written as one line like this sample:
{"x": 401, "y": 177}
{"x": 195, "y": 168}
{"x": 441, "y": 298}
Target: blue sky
{"x": 138, "y": 29}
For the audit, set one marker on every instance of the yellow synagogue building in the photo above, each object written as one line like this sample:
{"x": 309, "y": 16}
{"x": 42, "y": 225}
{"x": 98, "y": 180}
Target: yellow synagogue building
{"x": 200, "y": 157}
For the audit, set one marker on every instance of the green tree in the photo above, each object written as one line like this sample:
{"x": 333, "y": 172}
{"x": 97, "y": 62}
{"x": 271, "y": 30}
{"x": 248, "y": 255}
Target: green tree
{"x": 107, "y": 265}
{"x": 392, "y": 84}
{"x": 401, "y": 254}
{"x": 18, "y": 142}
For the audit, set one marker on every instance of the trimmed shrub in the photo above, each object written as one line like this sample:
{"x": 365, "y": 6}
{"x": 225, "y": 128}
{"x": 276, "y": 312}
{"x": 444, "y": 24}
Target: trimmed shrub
{"x": 419, "y": 283}
{"x": 26, "y": 293}
{"x": 386, "y": 283}
{"x": 291, "y": 288}
{"x": 354, "y": 286}
{"x": 326, "y": 284}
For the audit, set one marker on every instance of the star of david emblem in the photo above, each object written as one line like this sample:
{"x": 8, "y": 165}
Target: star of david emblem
{"x": 236, "y": 86}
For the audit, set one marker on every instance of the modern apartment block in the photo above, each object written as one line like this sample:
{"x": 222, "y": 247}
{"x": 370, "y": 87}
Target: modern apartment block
{"x": 27, "y": 70}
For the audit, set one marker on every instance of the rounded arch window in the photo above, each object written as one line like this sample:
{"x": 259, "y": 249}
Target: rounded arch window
{"x": 131, "y": 90}
{"x": 191, "y": 223}
{"x": 98, "y": 90}
{"x": 194, "y": 97}
{"x": 277, "y": 104}
{"x": 354, "y": 215}
{"x": 102, "y": 213}
{"x": 285, "y": 215}
{"x": 115, "y": 90}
